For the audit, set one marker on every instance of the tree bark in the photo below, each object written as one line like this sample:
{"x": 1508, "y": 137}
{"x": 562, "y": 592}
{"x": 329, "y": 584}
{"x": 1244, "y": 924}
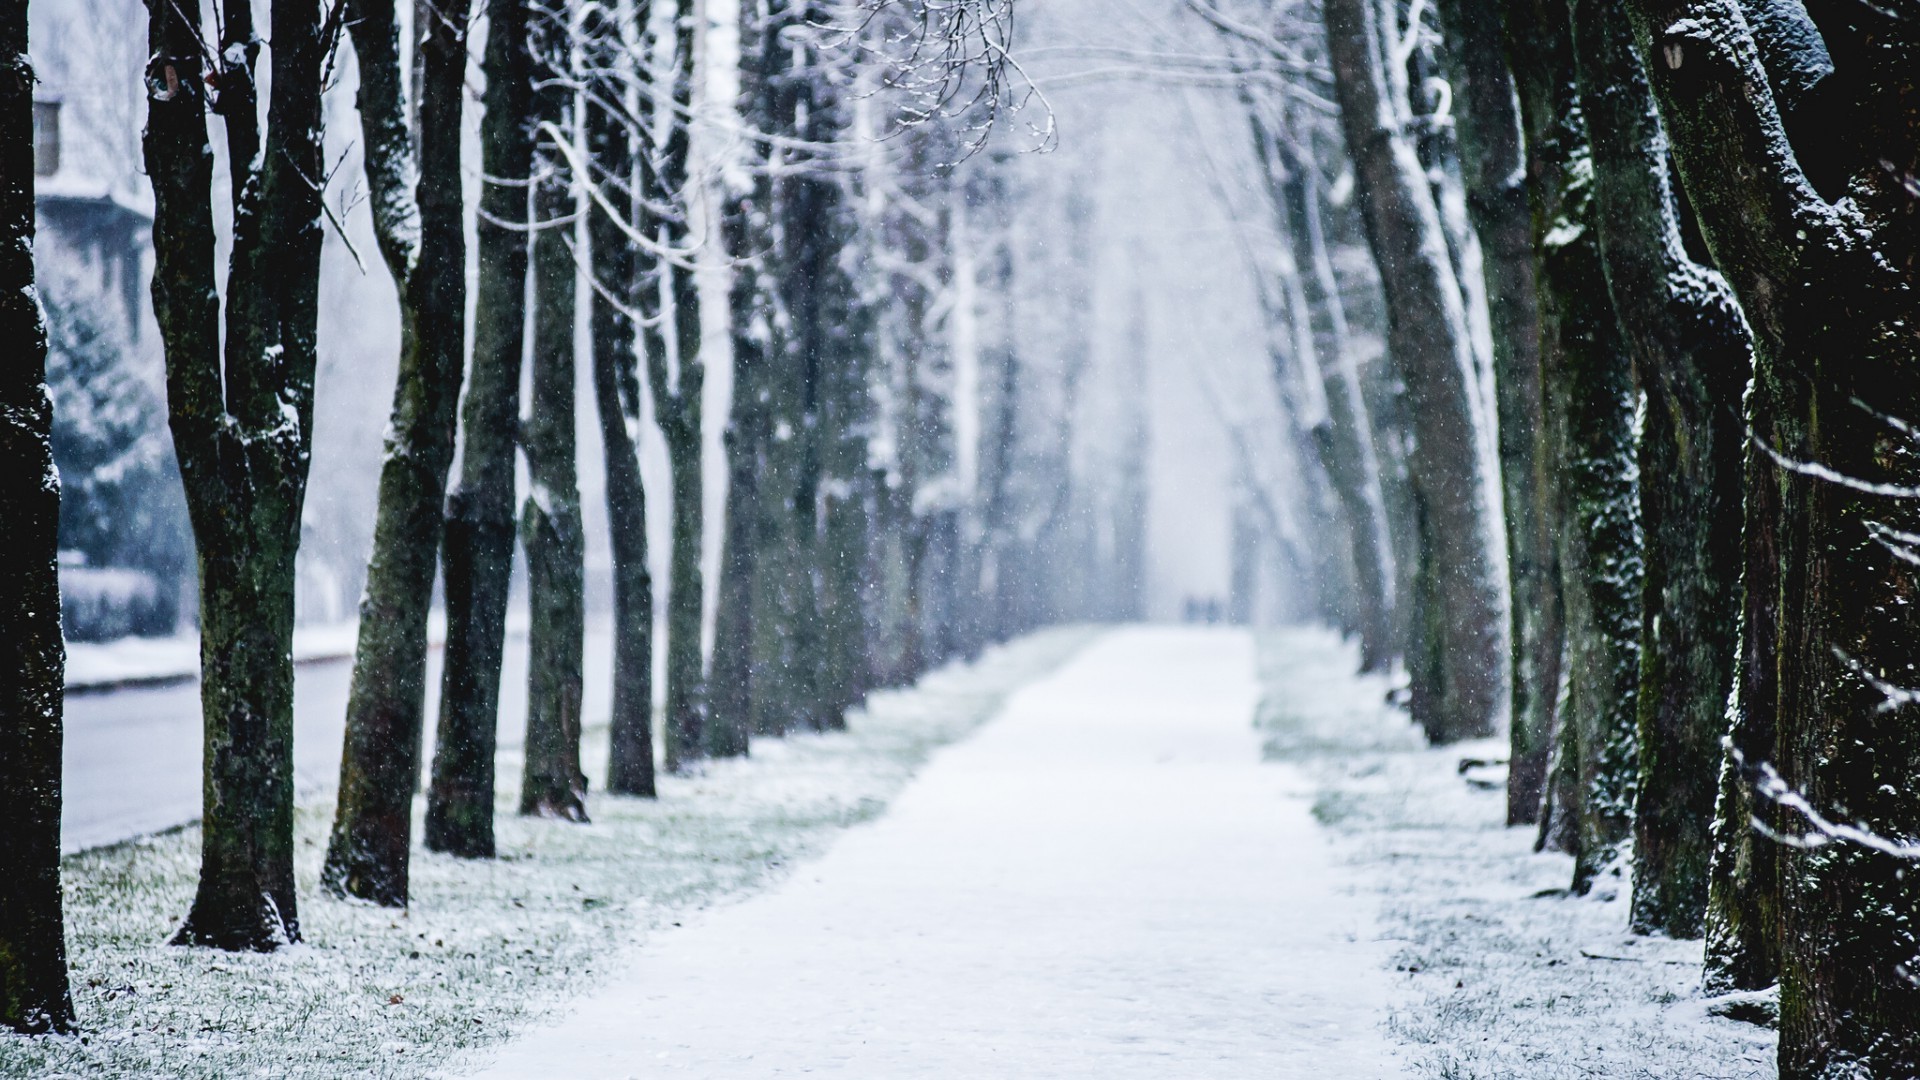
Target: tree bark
{"x": 1493, "y": 159}
{"x": 422, "y": 238}
{"x": 1686, "y": 336}
{"x": 1344, "y": 434}
{"x": 675, "y": 376}
{"x": 552, "y": 784}
{"x": 1591, "y": 397}
{"x": 616, "y": 391}
{"x": 478, "y": 556}
{"x": 33, "y": 951}
{"x": 733, "y": 683}
{"x": 1829, "y": 293}
{"x": 1743, "y": 893}
{"x": 1458, "y": 683}
{"x": 242, "y": 424}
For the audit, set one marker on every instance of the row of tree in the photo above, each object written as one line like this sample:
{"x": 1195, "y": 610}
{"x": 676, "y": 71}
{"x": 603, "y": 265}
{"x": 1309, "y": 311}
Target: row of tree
{"x": 895, "y": 484}
{"x": 1672, "y": 244}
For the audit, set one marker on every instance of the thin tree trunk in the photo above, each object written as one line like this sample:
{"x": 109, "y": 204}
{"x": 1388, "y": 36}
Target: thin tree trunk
{"x": 1830, "y": 295}
{"x": 1347, "y": 432}
{"x": 242, "y": 424}
{"x": 616, "y": 392}
{"x": 33, "y": 949}
{"x": 1685, "y": 333}
{"x": 675, "y": 376}
{"x": 733, "y": 685}
{"x": 1493, "y": 161}
{"x": 421, "y": 235}
{"x": 478, "y": 557}
{"x": 552, "y": 784}
{"x": 1457, "y": 691}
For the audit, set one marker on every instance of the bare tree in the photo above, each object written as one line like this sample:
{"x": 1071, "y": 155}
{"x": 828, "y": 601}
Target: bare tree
{"x": 421, "y": 233}
{"x": 480, "y": 520}
{"x": 242, "y": 418}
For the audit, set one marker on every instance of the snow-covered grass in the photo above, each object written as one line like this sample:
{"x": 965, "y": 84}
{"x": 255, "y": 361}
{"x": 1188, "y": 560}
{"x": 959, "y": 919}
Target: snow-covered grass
{"x": 1504, "y": 976}
{"x": 487, "y": 947}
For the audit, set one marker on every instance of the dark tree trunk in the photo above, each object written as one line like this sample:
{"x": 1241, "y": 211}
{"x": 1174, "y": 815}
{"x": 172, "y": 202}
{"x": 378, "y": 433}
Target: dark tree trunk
{"x": 552, "y": 784}
{"x": 1458, "y": 681}
{"x": 675, "y": 376}
{"x": 480, "y": 514}
{"x": 1830, "y": 295}
{"x": 242, "y": 416}
{"x": 616, "y": 392}
{"x": 1493, "y": 160}
{"x": 1590, "y": 396}
{"x": 1686, "y": 336}
{"x": 421, "y": 236}
{"x": 33, "y": 949}
{"x": 1743, "y": 893}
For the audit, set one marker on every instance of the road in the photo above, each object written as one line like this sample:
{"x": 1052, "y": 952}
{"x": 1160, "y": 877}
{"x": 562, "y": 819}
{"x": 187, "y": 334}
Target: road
{"x": 1105, "y": 882}
{"x": 132, "y": 757}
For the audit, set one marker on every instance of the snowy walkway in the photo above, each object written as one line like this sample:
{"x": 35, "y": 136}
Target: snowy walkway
{"x": 1104, "y": 882}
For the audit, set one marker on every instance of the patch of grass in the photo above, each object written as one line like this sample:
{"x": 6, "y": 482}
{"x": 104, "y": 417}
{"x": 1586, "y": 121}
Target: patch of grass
{"x": 1496, "y": 964}
{"x": 486, "y": 947}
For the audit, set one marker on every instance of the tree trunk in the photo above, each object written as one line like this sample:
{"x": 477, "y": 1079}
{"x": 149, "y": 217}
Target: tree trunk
{"x": 33, "y": 950}
{"x": 616, "y": 392}
{"x": 478, "y": 557}
{"x": 1829, "y": 292}
{"x": 1743, "y": 892}
{"x": 1457, "y": 691}
{"x": 242, "y": 425}
{"x": 1686, "y": 336}
{"x": 1493, "y": 160}
{"x": 421, "y": 235}
{"x": 1590, "y": 394}
{"x": 675, "y": 375}
{"x": 1344, "y": 434}
{"x": 733, "y": 685}
{"x": 552, "y": 784}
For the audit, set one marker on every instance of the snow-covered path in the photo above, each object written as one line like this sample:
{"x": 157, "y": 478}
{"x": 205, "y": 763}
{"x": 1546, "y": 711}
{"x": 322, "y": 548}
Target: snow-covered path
{"x": 1105, "y": 882}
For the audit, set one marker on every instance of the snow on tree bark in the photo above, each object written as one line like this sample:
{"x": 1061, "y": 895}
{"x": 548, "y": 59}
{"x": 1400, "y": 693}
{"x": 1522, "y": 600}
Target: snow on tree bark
{"x": 242, "y": 420}
{"x": 1457, "y": 681}
{"x": 1828, "y": 289}
{"x": 33, "y": 952}
{"x": 421, "y": 236}
{"x": 478, "y": 545}
{"x": 551, "y": 783}
{"x": 1343, "y": 436}
{"x": 1493, "y": 158}
{"x": 1689, "y": 343}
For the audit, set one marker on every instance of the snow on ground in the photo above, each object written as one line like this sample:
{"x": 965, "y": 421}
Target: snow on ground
{"x": 488, "y": 947}
{"x": 1504, "y": 977}
{"x": 100, "y": 665}
{"x": 1105, "y": 882}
